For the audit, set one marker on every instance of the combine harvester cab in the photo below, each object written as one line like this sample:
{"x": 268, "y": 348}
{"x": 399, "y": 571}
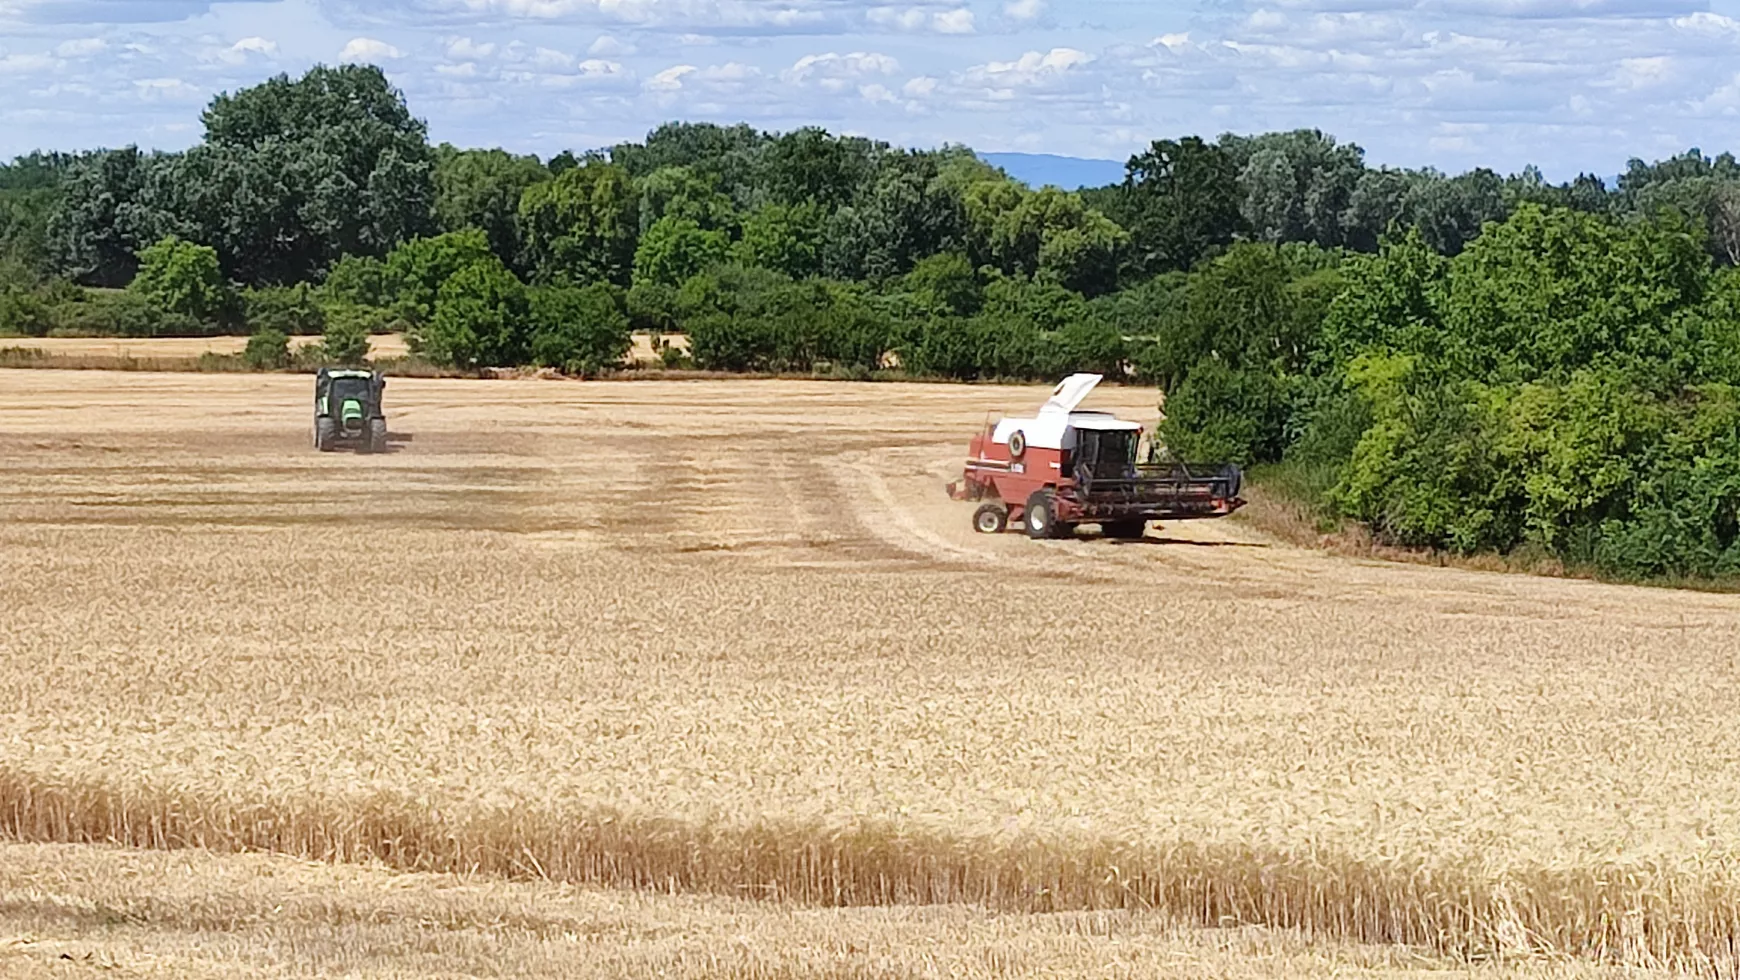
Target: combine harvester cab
{"x": 1065, "y": 467}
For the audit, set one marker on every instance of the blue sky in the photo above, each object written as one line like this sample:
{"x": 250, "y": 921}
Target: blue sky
{"x": 1567, "y": 84}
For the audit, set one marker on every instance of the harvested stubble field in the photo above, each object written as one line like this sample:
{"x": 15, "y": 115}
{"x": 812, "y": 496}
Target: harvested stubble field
{"x": 728, "y": 644}
{"x": 170, "y": 353}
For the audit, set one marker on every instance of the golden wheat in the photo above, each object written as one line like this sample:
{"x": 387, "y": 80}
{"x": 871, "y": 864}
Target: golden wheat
{"x": 731, "y": 637}
{"x": 83, "y": 911}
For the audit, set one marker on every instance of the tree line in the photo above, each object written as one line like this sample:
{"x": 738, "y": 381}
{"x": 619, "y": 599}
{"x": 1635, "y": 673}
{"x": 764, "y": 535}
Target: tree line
{"x": 1474, "y": 362}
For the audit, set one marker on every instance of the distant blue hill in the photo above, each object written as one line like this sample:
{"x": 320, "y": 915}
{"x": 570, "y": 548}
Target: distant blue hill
{"x": 1069, "y": 173}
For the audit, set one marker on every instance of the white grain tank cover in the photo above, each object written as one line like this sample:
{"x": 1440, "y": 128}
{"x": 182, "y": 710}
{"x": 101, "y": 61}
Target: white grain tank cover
{"x": 1070, "y": 393}
{"x": 1054, "y": 426}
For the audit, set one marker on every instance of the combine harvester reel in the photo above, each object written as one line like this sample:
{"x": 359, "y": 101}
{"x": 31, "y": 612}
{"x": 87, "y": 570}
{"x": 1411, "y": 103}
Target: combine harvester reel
{"x": 1064, "y": 467}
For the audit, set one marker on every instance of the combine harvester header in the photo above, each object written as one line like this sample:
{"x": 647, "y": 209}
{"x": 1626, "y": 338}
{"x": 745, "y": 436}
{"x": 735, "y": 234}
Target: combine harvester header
{"x": 1063, "y": 467}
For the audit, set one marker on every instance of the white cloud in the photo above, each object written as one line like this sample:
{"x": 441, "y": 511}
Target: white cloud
{"x": 82, "y": 47}
{"x": 369, "y": 49}
{"x": 1033, "y": 64}
{"x": 167, "y": 90}
{"x": 840, "y": 68}
{"x": 1708, "y": 24}
{"x": 255, "y": 45}
{"x": 466, "y": 48}
{"x": 1025, "y": 10}
{"x": 671, "y": 79}
{"x": 24, "y": 64}
{"x": 953, "y": 22}
{"x": 666, "y": 14}
{"x": 610, "y": 47}
{"x": 1640, "y": 73}
{"x": 915, "y": 20}
{"x": 548, "y": 59}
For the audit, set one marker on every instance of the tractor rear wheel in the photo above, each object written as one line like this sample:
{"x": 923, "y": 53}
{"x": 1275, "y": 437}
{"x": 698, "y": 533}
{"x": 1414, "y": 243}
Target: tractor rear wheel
{"x": 991, "y": 519}
{"x": 1125, "y": 530}
{"x": 377, "y": 436}
{"x": 1041, "y": 517}
{"x": 325, "y": 434}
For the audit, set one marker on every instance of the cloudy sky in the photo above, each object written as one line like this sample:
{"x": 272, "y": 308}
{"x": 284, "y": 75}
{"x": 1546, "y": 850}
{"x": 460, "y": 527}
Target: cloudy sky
{"x": 1568, "y": 84}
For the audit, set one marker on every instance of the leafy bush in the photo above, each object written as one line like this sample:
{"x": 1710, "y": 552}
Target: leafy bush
{"x": 363, "y": 280}
{"x": 415, "y": 273}
{"x": 481, "y": 319}
{"x": 722, "y": 342}
{"x": 652, "y": 307}
{"x": 182, "y": 278}
{"x": 292, "y": 310}
{"x": 22, "y": 312}
{"x": 267, "y": 349}
{"x": 124, "y": 313}
{"x": 1220, "y": 414}
{"x": 579, "y": 330}
{"x": 346, "y": 342}
{"x": 945, "y": 285}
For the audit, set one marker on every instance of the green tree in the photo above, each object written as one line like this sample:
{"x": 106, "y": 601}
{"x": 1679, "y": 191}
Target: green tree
{"x": 30, "y": 192}
{"x": 912, "y": 208}
{"x": 362, "y": 280}
{"x": 182, "y": 277}
{"x": 482, "y": 189}
{"x": 1549, "y": 292}
{"x": 581, "y": 330}
{"x": 677, "y": 249}
{"x": 1377, "y": 203}
{"x": 678, "y": 192}
{"x": 786, "y": 238}
{"x": 113, "y": 205}
{"x": 1224, "y": 414}
{"x": 1450, "y": 212}
{"x": 726, "y": 155}
{"x": 946, "y": 285}
{"x": 580, "y": 228}
{"x": 810, "y": 165}
{"x": 481, "y": 319}
{"x": 416, "y": 271}
{"x": 294, "y": 174}
{"x": 1181, "y": 202}
{"x": 1049, "y": 234}
{"x": 23, "y": 313}
{"x": 1297, "y": 185}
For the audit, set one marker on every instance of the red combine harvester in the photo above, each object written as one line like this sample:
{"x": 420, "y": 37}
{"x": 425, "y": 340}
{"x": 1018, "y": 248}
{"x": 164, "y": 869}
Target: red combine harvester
{"x": 1064, "y": 467}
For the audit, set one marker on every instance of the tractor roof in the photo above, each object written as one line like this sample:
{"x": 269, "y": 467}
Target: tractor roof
{"x": 347, "y": 373}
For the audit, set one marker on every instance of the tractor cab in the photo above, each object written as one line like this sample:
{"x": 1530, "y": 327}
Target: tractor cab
{"x": 347, "y": 409}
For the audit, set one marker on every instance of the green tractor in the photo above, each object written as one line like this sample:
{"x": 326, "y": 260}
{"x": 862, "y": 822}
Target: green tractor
{"x": 347, "y": 410}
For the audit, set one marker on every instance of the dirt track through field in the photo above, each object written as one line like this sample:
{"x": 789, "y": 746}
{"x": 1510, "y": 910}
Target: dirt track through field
{"x": 644, "y": 632}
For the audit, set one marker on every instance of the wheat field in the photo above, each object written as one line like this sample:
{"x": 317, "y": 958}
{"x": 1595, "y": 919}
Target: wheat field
{"x": 729, "y": 643}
